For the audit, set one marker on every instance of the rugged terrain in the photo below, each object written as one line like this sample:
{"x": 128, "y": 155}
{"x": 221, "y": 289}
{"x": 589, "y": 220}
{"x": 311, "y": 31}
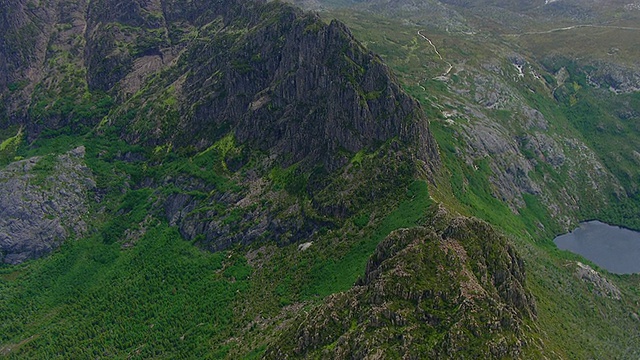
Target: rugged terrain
{"x": 533, "y": 134}
{"x": 241, "y": 82}
{"x": 42, "y": 208}
{"x": 453, "y": 289}
{"x": 240, "y": 179}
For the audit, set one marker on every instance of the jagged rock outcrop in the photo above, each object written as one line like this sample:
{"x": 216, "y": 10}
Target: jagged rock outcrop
{"x": 452, "y": 289}
{"x": 280, "y": 82}
{"x": 600, "y": 285}
{"x": 23, "y": 46}
{"x": 43, "y": 201}
{"x": 289, "y": 85}
{"x": 280, "y": 79}
{"x": 228, "y": 219}
{"x": 304, "y": 92}
{"x": 616, "y": 78}
{"x": 292, "y": 208}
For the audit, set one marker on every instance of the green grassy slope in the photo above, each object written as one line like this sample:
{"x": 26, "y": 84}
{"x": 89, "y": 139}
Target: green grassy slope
{"x": 137, "y": 289}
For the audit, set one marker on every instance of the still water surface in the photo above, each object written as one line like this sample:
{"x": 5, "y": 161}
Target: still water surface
{"x": 613, "y": 248}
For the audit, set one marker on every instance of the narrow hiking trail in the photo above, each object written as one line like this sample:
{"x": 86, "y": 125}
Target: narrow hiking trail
{"x": 439, "y": 55}
{"x": 574, "y": 27}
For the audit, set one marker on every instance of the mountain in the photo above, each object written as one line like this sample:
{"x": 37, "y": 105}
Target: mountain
{"x": 243, "y": 179}
{"x": 535, "y": 136}
{"x": 268, "y": 80}
{"x": 536, "y": 106}
{"x": 406, "y": 304}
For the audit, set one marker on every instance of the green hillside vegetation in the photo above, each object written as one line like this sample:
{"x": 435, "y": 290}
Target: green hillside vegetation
{"x": 142, "y": 285}
{"x": 123, "y": 291}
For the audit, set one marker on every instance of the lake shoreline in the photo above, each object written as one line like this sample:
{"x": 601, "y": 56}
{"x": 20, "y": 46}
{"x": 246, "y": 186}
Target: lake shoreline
{"x": 555, "y": 235}
{"x": 611, "y": 247}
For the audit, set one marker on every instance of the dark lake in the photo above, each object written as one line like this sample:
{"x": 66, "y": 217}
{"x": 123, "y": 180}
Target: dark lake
{"x": 613, "y": 248}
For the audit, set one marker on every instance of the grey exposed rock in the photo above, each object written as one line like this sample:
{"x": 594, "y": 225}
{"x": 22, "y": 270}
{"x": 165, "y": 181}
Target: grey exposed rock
{"x": 501, "y": 128}
{"x": 601, "y": 285}
{"x": 489, "y": 139}
{"x": 43, "y": 201}
{"x": 545, "y": 148}
{"x": 534, "y": 118}
{"x": 217, "y": 223}
{"x": 616, "y": 78}
{"x": 489, "y": 93}
{"x": 279, "y": 81}
{"x": 297, "y": 88}
{"x": 301, "y": 92}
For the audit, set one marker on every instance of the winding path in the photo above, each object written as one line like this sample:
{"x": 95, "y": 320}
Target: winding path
{"x": 437, "y": 53}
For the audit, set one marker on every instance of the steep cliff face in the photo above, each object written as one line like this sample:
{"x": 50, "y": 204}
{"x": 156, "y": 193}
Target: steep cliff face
{"x": 44, "y": 77}
{"x": 43, "y": 201}
{"x": 122, "y": 37}
{"x": 288, "y": 85}
{"x": 283, "y": 82}
{"x": 244, "y": 90}
{"x": 23, "y": 43}
{"x": 452, "y": 289}
{"x": 186, "y": 74}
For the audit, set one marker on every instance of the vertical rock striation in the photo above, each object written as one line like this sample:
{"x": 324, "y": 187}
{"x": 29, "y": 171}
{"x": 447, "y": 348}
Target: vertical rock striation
{"x": 43, "y": 201}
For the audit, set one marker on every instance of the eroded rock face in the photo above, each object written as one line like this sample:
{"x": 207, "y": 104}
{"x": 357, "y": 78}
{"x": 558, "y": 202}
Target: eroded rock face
{"x": 43, "y": 201}
{"x": 182, "y": 76}
{"x": 283, "y": 82}
{"x": 452, "y": 289}
{"x": 616, "y": 78}
{"x": 600, "y": 284}
{"x": 280, "y": 79}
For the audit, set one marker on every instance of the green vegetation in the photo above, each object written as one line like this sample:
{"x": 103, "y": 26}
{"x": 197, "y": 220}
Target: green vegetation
{"x": 134, "y": 288}
{"x": 92, "y": 299}
{"x": 67, "y": 104}
{"x": 16, "y": 86}
{"x": 9, "y": 146}
{"x": 338, "y": 273}
{"x": 290, "y": 179}
{"x": 603, "y": 120}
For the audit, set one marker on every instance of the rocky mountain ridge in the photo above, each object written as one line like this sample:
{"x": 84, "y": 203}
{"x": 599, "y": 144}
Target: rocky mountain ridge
{"x": 279, "y": 73}
{"x": 283, "y": 145}
{"x": 241, "y": 81}
{"x": 428, "y": 292}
